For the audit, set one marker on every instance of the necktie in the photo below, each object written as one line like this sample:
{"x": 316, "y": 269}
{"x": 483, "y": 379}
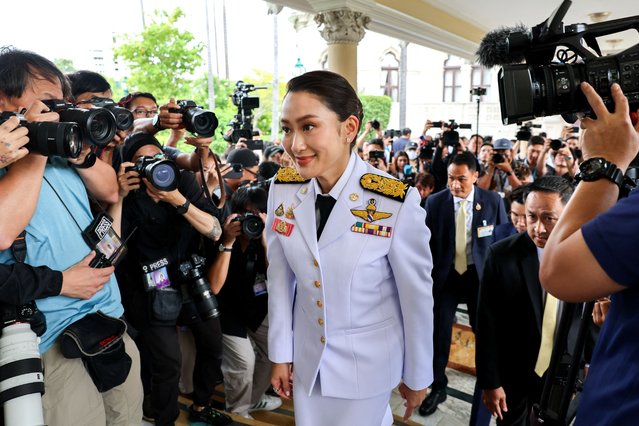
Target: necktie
{"x": 547, "y": 334}
{"x": 323, "y": 206}
{"x": 460, "y": 238}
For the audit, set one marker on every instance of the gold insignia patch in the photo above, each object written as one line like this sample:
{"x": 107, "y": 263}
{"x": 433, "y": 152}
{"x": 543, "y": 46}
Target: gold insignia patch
{"x": 289, "y": 175}
{"x": 371, "y": 214}
{"x": 389, "y": 187}
{"x": 279, "y": 211}
{"x": 289, "y": 213}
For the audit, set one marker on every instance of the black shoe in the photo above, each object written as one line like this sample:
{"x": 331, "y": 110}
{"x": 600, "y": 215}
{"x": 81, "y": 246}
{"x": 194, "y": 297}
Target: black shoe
{"x": 147, "y": 409}
{"x": 210, "y": 416}
{"x": 429, "y": 405}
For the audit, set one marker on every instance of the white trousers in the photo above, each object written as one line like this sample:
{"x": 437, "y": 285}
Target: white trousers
{"x": 318, "y": 410}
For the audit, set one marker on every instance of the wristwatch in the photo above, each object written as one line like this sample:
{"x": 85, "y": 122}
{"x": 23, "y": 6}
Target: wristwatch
{"x": 183, "y": 208}
{"x": 223, "y": 248}
{"x": 597, "y": 168}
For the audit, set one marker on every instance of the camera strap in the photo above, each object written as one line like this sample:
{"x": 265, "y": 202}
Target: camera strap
{"x": 19, "y": 247}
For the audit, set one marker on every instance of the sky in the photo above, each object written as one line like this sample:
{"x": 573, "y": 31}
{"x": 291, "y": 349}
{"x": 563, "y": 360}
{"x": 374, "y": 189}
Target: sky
{"x": 71, "y": 29}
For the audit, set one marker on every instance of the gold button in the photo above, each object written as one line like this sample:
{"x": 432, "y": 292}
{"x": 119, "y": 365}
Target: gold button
{"x": 353, "y": 197}
{"x": 304, "y": 190}
{"x": 315, "y": 263}
{"x": 317, "y": 284}
{"x": 319, "y": 304}
{"x": 323, "y": 339}
{"x": 320, "y": 321}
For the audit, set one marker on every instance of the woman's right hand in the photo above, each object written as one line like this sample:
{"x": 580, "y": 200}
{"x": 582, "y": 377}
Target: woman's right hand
{"x": 127, "y": 180}
{"x": 282, "y": 379}
{"x": 230, "y": 230}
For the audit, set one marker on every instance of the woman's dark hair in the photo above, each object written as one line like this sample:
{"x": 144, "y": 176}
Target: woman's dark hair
{"x": 126, "y": 101}
{"x": 19, "y": 67}
{"x": 333, "y": 90}
{"x": 87, "y": 81}
{"x": 249, "y": 198}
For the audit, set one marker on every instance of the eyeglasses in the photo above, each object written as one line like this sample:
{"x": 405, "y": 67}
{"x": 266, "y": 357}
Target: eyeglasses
{"x": 142, "y": 112}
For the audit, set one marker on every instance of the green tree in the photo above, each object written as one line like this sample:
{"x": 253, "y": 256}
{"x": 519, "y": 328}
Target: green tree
{"x": 376, "y": 108}
{"x": 64, "y": 65}
{"x": 161, "y": 58}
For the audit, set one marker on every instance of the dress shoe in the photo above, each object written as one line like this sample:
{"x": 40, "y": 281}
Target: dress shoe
{"x": 429, "y": 405}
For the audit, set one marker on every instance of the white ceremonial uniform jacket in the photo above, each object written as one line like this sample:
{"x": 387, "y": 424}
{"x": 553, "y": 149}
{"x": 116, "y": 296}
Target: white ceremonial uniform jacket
{"x": 354, "y": 307}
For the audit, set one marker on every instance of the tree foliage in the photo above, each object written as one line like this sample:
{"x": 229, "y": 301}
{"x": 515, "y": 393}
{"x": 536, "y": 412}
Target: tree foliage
{"x": 376, "y": 108}
{"x": 162, "y": 58}
{"x": 65, "y": 65}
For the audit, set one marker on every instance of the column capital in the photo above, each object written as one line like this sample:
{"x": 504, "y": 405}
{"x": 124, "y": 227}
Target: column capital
{"x": 342, "y": 26}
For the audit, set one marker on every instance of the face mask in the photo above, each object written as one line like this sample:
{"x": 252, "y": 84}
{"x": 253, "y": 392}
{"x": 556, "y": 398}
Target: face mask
{"x": 412, "y": 154}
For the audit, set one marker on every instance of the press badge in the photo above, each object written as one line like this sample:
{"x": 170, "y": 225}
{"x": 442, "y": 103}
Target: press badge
{"x": 102, "y": 238}
{"x": 485, "y": 231}
{"x": 155, "y": 275}
{"x": 259, "y": 288}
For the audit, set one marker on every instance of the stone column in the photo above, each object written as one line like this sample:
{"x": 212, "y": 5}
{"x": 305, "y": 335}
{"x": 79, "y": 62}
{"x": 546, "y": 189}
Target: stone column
{"x": 343, "y": 29}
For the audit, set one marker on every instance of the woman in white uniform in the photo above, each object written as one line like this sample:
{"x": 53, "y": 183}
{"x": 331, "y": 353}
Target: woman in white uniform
{"x": 349, "y": 277}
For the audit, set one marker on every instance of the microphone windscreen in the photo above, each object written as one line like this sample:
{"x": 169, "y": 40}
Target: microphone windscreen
{"x": 494, "y": 48}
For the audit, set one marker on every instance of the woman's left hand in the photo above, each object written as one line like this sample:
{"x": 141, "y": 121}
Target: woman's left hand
{"x": 413, "y": 399}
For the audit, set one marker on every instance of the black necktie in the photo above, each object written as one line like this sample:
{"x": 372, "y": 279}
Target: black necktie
{"x": 323, "y": 206}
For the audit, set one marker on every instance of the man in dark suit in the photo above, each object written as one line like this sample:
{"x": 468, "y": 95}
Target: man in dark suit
{"x": 515, "y": 318}
{"x": 461, "y": 219}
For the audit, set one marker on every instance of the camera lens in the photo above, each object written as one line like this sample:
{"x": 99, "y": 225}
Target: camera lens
{"x": 556, "y": 144}
{"x": 97, "y": 125}
{"x": 59, "y": 139}
{"x": 201, "y": 122}
{"x": 123, "y": 117}
{"x": 252, "y": 226}
{"x": 163, "y": 175}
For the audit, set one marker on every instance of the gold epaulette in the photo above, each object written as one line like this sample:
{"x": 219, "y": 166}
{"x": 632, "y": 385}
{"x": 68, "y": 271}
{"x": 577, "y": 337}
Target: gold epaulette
{"x": 289, "y": 175}
{"x": 389, "y": 187}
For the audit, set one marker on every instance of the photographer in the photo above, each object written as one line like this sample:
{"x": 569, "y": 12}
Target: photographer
{"x": 500, "y": 176}
{"x": 370, "y": 125}
{"x": 375, "y": 155}
{"x": 85, "y": 87}
{"x": 168, "y": 224}
{"x": 47, "y": 197}
{"x": 238, "y": 278}
{"x": 590, "y": 255}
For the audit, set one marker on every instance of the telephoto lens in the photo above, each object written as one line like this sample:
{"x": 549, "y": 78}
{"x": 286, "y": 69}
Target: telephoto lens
{"x": 163, "y": 174}
{"x": 97, "y": 125}
{"x": 50, "y": 139}
{"x": 199, "y": 288}
{"x": 123, "y": 117}
{"x": 196, "y": 119}
{"x": 21, "y": 378}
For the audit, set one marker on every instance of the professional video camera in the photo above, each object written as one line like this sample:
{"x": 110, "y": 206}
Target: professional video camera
{"x": 97, "y": 125}
{"x": 452, "y": 125}
{"x": 48, "y": 139}
{"x": 198, "y": 288}
{"x": 196, "y": 119}
{"x": 242, "y": 122}
{"x": 525, "y": 131}
{"x": 538, "y": 87}
{"x": 252, "y": 225}
{"x": 123, "y": 117}
{"x": 163, "y": 174}
{"x": 20, "y": 365}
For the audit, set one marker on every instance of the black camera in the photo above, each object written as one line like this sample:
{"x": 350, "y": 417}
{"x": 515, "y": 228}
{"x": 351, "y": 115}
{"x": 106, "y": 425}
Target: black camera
{"x": 163, "y": 174}
{"x": 478, "y": 91}
{"x": 375, "y": 124}
{"x": 27, "y": 313}
{"x": 498, "y": 158}
{"x": 252, "y": 225}
{"x": 196, "y": 119}
{"x": 426, "y": 153}
{"x": 123, "y": 117}
{"x": 538, "y": 87}
{"x": 557, "y": 144}
{"x": 47, "y": 138}
{"x": 392, "y": 133}
{"x": 198, "y": 287}
{"x": 97, "y": 125}
{"x": 376, "y": 155}
{"x": 452, "y": 125}
{"x": 242, "y": 122}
